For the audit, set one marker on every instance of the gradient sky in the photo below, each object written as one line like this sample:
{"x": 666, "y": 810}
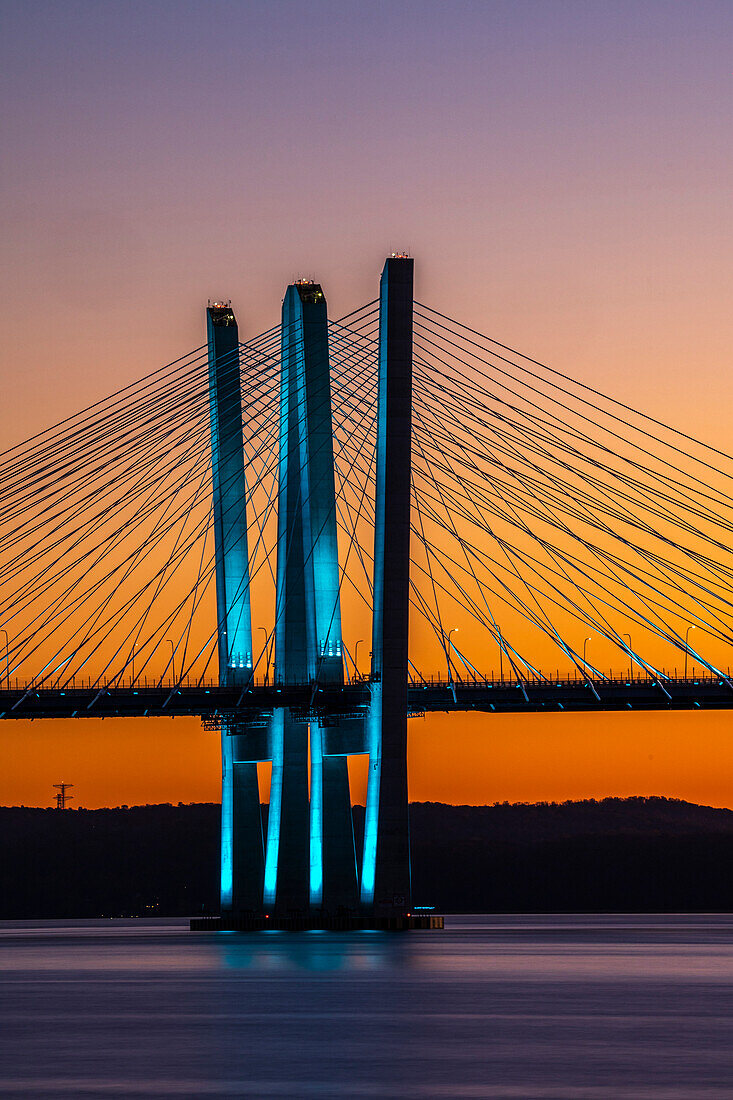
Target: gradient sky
{"x": 561, "y": 172}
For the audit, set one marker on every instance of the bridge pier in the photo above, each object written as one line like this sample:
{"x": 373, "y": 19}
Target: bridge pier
{"x": 287, "y": 880}
{"x": 340, "y": 889}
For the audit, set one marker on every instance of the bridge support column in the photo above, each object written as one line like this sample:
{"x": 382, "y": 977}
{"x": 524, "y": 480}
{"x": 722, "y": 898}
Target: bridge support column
{"x": 385, "y": 884}
{"x": 308, "y": 645}
{"x": 287, "y": 858}
{"x": 340, "y": 889}
{"x": 242, "y": 857}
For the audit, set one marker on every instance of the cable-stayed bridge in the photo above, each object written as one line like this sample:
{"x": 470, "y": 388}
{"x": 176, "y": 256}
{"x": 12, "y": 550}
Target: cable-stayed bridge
{"x": 220, "y": 538}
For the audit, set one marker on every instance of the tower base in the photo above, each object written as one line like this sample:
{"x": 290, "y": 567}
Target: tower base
{"x": 246, "y": 922}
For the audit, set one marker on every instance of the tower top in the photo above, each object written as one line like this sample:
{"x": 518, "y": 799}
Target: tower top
{"x": 221, "y": 313}
{"x": 309, "y": 291}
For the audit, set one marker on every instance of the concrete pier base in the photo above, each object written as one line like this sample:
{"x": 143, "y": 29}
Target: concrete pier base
{"x": 243, "y": 922}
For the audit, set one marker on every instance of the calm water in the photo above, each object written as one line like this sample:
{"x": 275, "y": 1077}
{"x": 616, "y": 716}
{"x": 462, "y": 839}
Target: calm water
{"x": 607, "y": 1008}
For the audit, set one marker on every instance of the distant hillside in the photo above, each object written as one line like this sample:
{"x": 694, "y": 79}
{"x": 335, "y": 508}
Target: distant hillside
{"x": 636, "y": 854}
{"x": 645, "y": 854}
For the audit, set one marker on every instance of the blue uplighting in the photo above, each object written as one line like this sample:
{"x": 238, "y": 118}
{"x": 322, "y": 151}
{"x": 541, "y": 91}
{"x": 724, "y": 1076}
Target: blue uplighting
{"x": 227, "y": 822}
{"x": 316, "y": 817}
{"x": 275, "y": 813}
{"x": 371, "y": 815}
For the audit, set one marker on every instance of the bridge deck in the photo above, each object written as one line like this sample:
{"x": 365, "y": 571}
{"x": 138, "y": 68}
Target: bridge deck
{"x": 497, "y": 696}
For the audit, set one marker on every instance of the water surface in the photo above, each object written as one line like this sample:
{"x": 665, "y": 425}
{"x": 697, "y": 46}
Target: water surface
{"x": 604, "y": 1008}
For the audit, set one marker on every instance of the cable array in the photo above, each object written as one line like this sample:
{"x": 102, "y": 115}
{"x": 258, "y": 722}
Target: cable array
{"x": 553, "y": 507}
{"x": 107, "y": 560}
{"x": 554, "y": 529}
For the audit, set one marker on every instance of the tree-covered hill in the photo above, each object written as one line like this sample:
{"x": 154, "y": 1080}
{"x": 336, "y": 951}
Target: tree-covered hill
{"x": 652, "y": 854}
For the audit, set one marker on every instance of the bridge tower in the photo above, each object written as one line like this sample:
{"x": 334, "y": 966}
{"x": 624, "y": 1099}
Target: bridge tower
{"x": 307, "y": 869}
{"x": 310, "y": 860}
{"x": 386, "y": 880}
{"x": 242, "y": 857}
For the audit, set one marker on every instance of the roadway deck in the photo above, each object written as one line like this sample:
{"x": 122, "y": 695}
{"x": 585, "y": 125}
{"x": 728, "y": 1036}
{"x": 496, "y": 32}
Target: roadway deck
{"x": 218, "y": 704}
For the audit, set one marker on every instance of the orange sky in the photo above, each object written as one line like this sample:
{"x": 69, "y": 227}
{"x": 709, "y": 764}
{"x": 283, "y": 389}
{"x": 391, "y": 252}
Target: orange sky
{"x": 461, "y": 758}
{"x": 561, "y": 173}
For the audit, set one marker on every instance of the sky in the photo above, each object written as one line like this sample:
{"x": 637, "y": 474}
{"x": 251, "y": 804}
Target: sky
{"x": 559, "y": 170}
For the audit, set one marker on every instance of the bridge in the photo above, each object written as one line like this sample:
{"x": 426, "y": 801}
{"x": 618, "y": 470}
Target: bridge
{"x": 220, "y": 537}
{"x": 219, "y": 704}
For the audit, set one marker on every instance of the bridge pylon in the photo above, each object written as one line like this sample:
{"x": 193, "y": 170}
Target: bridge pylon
{"x": 308, "y": 873}
{"x": 386, "y": 880}
{"x": 310, "y": 862}
{"x": 242, "y": 857}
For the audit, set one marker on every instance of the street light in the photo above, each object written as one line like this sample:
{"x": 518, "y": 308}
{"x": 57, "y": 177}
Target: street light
{"x": 7, "y": 657}
{"x": 687, "y": 634}
{"x": 356, "y": 656}
{"x": 631, "y": 657}
{"x": 585, "y": 643}
{"x": 173, "y": 660}
{"x": 452, "y": 630}
{"x": 501, "y": 652}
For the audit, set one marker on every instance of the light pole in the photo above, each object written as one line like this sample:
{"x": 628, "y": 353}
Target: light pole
{"x": 7, "y": 657}
{"x": 133, "y": 667}
{"x": 501, "y": 652}
{"x": 356, "y": 656}
{"x": 173, "y": 660}
{"x": 631, "y": 659}
{"x": 687, "y": 634}
{"x": 585, "y": 644}
{"x": 267, "y": 653}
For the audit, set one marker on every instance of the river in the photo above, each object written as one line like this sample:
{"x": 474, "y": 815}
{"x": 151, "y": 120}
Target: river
{"x": 621, "y": 1007}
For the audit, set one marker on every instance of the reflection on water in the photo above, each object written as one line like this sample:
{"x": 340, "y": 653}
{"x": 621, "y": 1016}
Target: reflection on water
{"x": 318, "y": 952}
{"x": 508, "y": 1006}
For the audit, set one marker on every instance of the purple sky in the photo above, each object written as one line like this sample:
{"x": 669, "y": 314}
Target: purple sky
{"x": 561, "y": 171}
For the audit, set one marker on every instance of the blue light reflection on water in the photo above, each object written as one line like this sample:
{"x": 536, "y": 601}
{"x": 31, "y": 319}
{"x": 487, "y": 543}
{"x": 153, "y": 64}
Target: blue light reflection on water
{"x": 556, "y": 1007}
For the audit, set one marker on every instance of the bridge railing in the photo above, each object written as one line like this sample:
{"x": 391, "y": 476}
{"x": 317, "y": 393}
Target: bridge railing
{"x": 434, "y": 680}
{"x": 439, "y": 680}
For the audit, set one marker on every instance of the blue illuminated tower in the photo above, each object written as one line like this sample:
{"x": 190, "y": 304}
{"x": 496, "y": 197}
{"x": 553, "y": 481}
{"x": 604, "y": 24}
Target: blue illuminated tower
{"x": 310, "y": 860}
{"x": 306, "y": 873}
{"x": 385, "y": 883}
{"x": 242, "y": 864}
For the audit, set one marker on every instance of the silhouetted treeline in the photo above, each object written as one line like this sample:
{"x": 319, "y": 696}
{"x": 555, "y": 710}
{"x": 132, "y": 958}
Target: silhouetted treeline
{"x": 635, "y": 854}
{"x": 643, "y": 854}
